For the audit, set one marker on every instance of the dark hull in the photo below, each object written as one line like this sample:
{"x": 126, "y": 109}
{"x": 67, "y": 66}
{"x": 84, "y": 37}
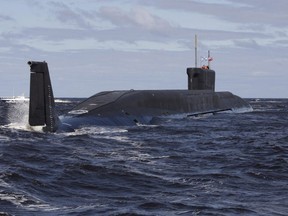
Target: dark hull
{"x": 143, "y": 106}
{"x": 132, "y": 107}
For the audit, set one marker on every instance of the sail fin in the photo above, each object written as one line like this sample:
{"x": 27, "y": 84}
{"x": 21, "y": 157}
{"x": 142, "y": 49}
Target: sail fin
{"x": 42, "y": 110}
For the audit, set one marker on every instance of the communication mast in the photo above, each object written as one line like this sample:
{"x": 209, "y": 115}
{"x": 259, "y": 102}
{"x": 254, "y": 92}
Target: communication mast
{"x": 196, "y": 57}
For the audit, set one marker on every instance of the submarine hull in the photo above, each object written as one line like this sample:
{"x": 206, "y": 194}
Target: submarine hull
{"x": 144, "y": 106}
{"x": 131, "y": 107}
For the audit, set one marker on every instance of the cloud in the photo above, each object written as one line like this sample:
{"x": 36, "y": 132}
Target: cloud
{"x": 246, "y": 43}
{"x": 4, "y": 18}
{"x": 146, "y": 44}
{"x": 69, "y": 15}
{"x": 137, "y": 17}
{"x": 261, "y": 16}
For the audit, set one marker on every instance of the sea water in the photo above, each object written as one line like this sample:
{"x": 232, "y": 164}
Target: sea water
{"x": 223, "y": 164}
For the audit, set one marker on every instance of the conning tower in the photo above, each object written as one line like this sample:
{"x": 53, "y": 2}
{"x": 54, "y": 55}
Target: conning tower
{"x": 201, "y": 79}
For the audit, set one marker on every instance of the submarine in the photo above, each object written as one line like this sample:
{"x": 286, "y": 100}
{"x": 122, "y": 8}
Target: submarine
{"x": 128, "y": 107}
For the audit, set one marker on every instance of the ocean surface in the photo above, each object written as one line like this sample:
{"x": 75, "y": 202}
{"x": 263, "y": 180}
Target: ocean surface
{"x": 223, "y": 164}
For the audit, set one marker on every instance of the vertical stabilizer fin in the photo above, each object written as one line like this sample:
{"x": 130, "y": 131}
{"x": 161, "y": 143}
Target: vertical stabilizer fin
{"x": 42, "y": 105}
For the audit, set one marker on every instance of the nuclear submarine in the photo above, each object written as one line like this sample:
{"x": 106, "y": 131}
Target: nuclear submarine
{"x": 130, "y": 107}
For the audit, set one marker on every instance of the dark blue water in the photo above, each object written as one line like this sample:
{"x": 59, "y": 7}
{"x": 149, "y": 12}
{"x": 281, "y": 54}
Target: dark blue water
{"x": 224, "y": 164}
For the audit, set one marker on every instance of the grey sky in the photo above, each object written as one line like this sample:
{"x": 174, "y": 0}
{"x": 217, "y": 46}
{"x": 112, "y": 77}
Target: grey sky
{"x": 95, "y": 45}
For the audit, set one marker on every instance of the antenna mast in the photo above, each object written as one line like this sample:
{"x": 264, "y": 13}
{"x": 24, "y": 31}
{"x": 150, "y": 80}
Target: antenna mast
{"x": 209, "y": 58}
{"x": 196, "y": 51}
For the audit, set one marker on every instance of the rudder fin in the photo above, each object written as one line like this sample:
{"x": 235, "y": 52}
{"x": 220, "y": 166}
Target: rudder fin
{"x": 42, "y": 105}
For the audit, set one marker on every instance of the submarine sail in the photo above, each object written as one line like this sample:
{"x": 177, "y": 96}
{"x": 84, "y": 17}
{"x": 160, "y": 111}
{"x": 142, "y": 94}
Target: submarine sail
{"x": 133, "y": 107}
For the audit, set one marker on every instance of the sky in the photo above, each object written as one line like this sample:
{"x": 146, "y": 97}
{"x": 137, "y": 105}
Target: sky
{"x": 99, "y": 45}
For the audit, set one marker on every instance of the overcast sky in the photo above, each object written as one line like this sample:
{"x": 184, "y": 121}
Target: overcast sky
{"x": 96, "y": 45}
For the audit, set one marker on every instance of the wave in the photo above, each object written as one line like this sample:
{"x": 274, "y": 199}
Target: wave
{"x": 25, "y": 202}
{"x": 63, "y": 101}
{"x": 242, "y": 110}
{"x": 97, "y": 130}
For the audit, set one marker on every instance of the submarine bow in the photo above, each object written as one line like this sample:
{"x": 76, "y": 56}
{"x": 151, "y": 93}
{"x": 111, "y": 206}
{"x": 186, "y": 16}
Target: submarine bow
{"x": 129, "y": 107}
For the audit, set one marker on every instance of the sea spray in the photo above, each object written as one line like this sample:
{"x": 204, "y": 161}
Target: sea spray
{"x": 17, "y": 114}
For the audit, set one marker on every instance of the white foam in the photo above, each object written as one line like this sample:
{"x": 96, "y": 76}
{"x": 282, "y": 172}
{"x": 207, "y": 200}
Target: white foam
{"x": 97, "y": 130}
{"x": 18, "y": 113}
{"x": 20, "y": 200}
{"x": 62, "y": 101}
{"x": 17, "y": 116}
{"x": 242, "y": 110}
